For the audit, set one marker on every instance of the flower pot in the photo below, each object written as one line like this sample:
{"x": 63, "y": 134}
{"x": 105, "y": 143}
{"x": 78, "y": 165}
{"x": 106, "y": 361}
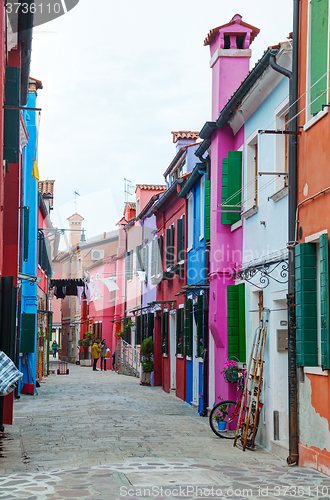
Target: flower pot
{"x": 232, "y": 377}
{"x": 222, "y": 425}
{"x": 145, "y": 379}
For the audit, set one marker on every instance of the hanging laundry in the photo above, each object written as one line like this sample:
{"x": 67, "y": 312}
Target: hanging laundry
{"x": 87, "y": 292}
{"x": 141, "y": 275}
{"x": 59, "y": 292}
{"x": 95, "y": 289}
{"x": 72, "y": 290}
{"x": 80, "y": 290}
{"x": 110, "y": 284}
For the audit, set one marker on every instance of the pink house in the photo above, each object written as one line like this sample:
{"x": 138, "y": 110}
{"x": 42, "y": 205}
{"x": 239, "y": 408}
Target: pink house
{"x": 230, "y": 58}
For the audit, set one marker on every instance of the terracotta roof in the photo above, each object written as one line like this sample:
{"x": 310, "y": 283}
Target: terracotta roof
{"x": 38, "y": 83}
{"x": 75, "y": 216}
{"x": 46, "y": 187}
{"x": 237, "y": 19}
{"x": 152, "y": 187}
{"x": 185, "y": 134}
{"x": 131, "y": 205}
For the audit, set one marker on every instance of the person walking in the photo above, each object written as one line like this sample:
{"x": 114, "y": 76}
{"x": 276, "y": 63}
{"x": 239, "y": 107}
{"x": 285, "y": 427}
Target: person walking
{"x": 103, "y": 346}
{"x": 114, "y": 359}
{"x": 54, "y": 348}
{"x": 95, "y": 354}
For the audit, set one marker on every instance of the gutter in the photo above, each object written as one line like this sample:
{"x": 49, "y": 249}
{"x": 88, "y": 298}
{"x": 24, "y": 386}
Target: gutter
{"x": 210, "y": 127}
{"x": 173, "y": 189}
{"x": 199, "y": 170}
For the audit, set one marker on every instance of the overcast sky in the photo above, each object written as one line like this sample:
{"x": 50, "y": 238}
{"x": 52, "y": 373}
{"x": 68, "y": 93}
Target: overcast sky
{"x": 118, "y": 77}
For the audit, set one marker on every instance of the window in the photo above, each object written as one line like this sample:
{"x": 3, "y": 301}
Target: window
{"x": 180, "y": 239}
{"x": 145, "y": 260}
{"x": 138, "y": 259}
{"x": 236, "y": 322}
{"x": 190, "y": 222}
{"x": 200, "y": 325}
{"x": 317, "y": 79}
{"x": 188, "y": 327}
{"x": 251, "y": 183}
{"x": 165, "y": 332}
{"x": 231, "y": 188}
{"x": 282, "y": 148}
{"x": 79, "y": 265}
{"x": 202, "y": 208}
{"x": 129, "y": 265}
{"x": 159, "y": 251}
{"x": 207, "y": 209}
{"x": 170, "y": 246}
{"x": 312, "y": 303}
{"x": 138, "y": 206}
{"x": 179, "y": 330}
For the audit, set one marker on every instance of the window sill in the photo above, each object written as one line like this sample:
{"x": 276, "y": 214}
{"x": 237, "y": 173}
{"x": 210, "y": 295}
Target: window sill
{"x": 250, "y": 212}
{"x": 281, "y": 193}
{"x": 201, "y": 238}
{"x": 237, "y": 225}
{"x": 315, "y": 370}
{"x": 165, "y": 355}
{"x": 188, "y": 358}
{"x": 189, "y": 249}
{"x": 180, "y": 356}
{"x": 315, "y": 119}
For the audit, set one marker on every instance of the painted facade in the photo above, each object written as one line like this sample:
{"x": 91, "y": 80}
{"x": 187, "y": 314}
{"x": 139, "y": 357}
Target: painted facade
{"x": 312, "y": 237}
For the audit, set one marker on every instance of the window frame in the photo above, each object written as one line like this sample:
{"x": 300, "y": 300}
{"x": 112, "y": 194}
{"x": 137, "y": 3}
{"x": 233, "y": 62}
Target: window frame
{"x": 190, "y": 222}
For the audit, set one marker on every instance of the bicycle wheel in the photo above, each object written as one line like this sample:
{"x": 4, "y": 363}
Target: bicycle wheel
{"x": 227, "y": 412}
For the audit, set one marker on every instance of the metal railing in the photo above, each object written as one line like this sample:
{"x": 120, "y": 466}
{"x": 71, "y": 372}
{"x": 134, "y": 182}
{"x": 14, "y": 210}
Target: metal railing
{"x": 128, "y": 362}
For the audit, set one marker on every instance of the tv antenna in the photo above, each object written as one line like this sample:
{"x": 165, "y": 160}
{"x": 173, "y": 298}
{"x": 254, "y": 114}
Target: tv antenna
{"x": 75, "y": 200}
{"x": 129, "y": 189}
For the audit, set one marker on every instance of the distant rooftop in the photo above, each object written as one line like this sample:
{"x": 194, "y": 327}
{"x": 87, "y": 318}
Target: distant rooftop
{"x": 184, "y": 134}
{"x": 46, "y": 187}
{"x": 151, "y": 187}
{"x": 237, "y": 19}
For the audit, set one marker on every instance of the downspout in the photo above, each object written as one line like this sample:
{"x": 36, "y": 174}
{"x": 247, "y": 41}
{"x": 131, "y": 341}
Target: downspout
{"x": 293, "y": 144}
{"x": 293, "y": 152}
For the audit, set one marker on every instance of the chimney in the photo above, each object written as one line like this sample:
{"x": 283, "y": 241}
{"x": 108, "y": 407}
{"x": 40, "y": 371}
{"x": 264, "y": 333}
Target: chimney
{"x": 230, "y": 59}
{"x": 184, "y": 137}
{"x": 75, "y": 222}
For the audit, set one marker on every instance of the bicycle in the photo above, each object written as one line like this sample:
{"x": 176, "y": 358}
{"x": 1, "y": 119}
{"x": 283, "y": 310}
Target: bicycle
{"x": 225, "y": 414}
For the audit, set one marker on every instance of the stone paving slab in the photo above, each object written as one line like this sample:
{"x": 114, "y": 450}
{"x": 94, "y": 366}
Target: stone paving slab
{"x": 95, "y": 435}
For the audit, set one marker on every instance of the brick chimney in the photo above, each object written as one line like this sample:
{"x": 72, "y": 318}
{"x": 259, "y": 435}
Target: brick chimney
{"x": 75, "y": 222}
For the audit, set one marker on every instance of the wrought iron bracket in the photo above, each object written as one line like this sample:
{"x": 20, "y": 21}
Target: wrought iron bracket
{"x": 261, "y": 275}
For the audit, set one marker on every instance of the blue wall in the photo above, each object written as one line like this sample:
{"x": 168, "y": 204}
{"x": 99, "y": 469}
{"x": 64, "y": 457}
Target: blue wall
{"x": 30, "y": 186}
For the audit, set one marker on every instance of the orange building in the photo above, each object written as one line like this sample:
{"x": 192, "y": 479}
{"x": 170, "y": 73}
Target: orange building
{"x": 312, "y": 237}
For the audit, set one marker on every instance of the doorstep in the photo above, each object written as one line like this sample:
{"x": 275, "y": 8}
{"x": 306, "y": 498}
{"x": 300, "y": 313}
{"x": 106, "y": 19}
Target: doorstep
{"x": 280, "y": 448}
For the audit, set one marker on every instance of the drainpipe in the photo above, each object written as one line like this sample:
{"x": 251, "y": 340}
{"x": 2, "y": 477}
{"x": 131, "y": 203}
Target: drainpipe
{"x": 293, "y": 145}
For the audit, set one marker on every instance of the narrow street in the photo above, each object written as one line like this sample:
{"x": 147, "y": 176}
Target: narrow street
{"x": 103, "y": 436}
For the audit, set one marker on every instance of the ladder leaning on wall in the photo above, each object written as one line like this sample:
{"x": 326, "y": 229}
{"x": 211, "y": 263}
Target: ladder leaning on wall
{"x": 249, "y": 414}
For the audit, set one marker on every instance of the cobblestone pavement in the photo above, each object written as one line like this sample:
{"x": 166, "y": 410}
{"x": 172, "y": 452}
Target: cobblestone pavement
{"x": 99, "y": 435}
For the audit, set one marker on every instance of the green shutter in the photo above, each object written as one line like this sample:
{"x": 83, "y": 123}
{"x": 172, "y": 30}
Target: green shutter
{"x": 207, "y": 209}
{"x": 318, "y": 54}
{"x": 150, "y": 332}
{"x": 165, "y": 333}
{"x": 241, "y": 322}
{"x": 144, "y": 327}
{"x": 160, "y": 254}
{"x": 28, "y": 333}
{"x": 153, "y": 257}
{"x": 145, "y": 260}
{"x": 188, "y": 328}
{"x": 168, "y": 247}
{"x": 233, "y": 321}
{"x": 200, "y": 325}
{"x": 11, "y": 116}
{"x": 179, "y": 241}
{"x": 324, "y": 295}
{"x": 179, "y": 330}
{"x": 138, "y": 259}
{"x": 138, "y": 330}
{"x": 26, "y": 233}
{"x": 306, "y": 304}
{"x": 231, "y": 188}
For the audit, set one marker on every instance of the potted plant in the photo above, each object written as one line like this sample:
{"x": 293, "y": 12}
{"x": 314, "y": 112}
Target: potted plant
{"x": 230, "y": 371}
{"x": 221, "y": 415}
{"x": 147, "y": 360}
{"x": 86, "y": 343}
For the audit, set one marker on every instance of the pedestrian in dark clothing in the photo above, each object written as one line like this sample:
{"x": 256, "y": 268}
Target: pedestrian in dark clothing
{"x": 114, "y": 359}
{"x": 103, "y": 346}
